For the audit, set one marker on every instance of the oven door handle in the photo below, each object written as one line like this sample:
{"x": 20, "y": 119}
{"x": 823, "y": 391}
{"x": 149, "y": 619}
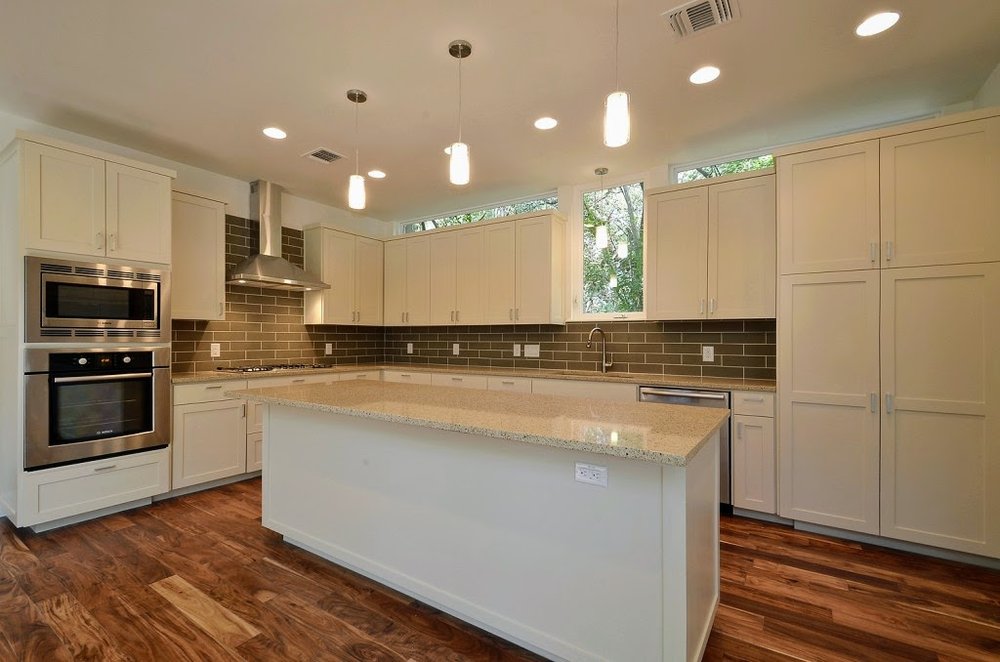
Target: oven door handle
{"x": 102, "y": 378}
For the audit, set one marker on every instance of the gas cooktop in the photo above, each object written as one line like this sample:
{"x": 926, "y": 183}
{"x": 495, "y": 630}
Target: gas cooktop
{"x": 269, "y": 368}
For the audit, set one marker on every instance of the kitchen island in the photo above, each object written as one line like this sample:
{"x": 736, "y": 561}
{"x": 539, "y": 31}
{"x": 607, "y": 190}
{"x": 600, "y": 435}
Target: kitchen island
{"x": 469, "y": 501}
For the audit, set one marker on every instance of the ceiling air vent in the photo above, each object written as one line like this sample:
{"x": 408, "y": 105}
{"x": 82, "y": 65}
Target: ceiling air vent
{"x": 701, "y": 15}
{"x": 323, "y": 155}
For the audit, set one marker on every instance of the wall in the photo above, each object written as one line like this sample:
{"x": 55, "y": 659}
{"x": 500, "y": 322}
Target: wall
{"x": 265, "y": 326}
{"x": 743, "y": 348}
{"x": 989, "y": 93}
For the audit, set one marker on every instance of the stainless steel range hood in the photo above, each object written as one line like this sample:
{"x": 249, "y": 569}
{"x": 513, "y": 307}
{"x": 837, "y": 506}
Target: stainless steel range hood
{"x": 267, "y": 268}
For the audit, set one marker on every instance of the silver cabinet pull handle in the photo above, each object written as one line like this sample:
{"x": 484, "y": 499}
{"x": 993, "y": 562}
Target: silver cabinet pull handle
{"x": 757, "y": 398}
{"x": 517, "y": 313}
{"x": 456, "y": 379}
{"x": 212, "y": 388}
{"x": 873, "y": 251}
{"x": 298, "y": 381}
{"x": 511, "y": 314}
{"x": 405, "y": 374}
{"x": 701, "y": 307}
{"x": 507, "y": 383}
{"x": 113, "y": 242}
{"x": 739, "y": 430}
{"x": 456, "y": 315}
{"x": 402, "y": 317}
{"x": 888, "y": 251}
{"x": 244, "y": 411}
{"x": 889, "y": 404}
{"x": 711, "y": 305}
{"x": 873, "y": 401}
{"x": 107, "y": 468}
{"x": 100, "y": 241}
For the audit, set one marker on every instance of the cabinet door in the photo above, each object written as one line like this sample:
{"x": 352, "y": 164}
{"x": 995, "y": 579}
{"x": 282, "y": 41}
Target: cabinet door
{"x": 828, "y": 377}
{"x": 443, "y": 278}
{"x": 209, "y": 442}
{"x": 255, "y": 451}
{"x": 499, "y": 263}
{"x": 741, "y": 249}
{"x": 940, "y": 198}
{"x": 368, "y": 281}
{"x": 941, "y": 406}
{"x": 64, "y": 201}
{"x": 418, "y": 281}
{"x": 395, "y": 283}
{"x": 533, "y": 271}
{"x": 677, "y": 248}
{"x": 138, "y": 214}
{"x": 470, "y": 295}
{"x": 828, "y": 209}
{"x": 198, "y": 282}
{"x": 338, "y": 271}
{"x": 754, "y": 486}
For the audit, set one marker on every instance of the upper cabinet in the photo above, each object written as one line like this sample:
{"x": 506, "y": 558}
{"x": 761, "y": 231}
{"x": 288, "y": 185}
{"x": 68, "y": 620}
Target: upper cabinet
{"x": 198, "y": 280}
{"x": 352, "y": 266}
{"x": 539, "y": 280}
{"x": 457, "y": 282}
{"x": 79, "y": 203}
{"x": 919, "y": 198}
{"x": 711, "y": 250}
{"x": 407, "y": 281}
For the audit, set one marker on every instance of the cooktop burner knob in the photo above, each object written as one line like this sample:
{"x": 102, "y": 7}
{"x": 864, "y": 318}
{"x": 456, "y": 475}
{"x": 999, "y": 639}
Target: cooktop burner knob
{"x": 127, "y": 359}
{"x": 81, "y": 361}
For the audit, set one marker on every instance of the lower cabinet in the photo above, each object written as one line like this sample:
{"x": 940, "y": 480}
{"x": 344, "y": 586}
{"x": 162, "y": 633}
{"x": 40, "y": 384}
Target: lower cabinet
{"x": 210, "y": 441}
{"x": 753, "y": 452}
{"x": 406, "y": 377}
{"x": 459, "y": 381}
{"x": 513, "y": 384}
{"x": 584, "y": 389}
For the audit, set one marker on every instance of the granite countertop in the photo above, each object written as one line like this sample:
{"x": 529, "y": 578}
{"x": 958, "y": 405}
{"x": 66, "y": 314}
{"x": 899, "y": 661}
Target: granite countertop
{"x": 664, "y": 434}
{"x": 722, "y": 383}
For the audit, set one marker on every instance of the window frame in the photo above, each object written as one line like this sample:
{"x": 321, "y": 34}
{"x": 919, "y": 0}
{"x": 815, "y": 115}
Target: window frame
{"x": 575, "y": 248}
{"x": 677, "y": 169}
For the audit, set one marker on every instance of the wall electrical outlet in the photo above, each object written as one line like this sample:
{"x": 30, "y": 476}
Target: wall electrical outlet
{"x": 531, "y": 351}
{"x": 215, "y": 350}
{"x": 454, "y": 349}
{"x": 517, "y": 349}
{"x": 409, "y": 348}
{"x": 328, "y": 349}
{"x": 707, "y": 353}
{"x": 591, "y": 474}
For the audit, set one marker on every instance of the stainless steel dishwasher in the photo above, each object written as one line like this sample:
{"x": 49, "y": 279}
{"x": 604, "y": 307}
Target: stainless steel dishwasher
{"x": 699, "y": 398}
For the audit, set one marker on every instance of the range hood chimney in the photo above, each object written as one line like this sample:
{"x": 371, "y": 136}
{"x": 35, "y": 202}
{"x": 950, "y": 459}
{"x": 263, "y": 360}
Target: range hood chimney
{"x": 268, "y": 269}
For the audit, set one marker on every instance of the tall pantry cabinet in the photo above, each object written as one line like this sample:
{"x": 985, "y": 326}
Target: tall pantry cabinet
{"x": 888, "y": 319}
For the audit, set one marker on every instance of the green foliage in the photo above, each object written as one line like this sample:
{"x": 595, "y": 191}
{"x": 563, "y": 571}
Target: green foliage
{"x": 727, "y": 168}
{"x": 620, "y": 208}
{"x": 485, "y": 214}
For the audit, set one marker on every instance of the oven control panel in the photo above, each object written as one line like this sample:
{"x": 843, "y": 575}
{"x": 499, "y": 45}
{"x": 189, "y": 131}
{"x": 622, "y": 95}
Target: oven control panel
{"x": 99, "y": 361}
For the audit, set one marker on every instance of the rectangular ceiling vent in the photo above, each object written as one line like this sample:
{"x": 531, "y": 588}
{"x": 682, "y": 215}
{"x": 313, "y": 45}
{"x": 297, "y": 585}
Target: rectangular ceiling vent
{"x": 323, "y": 155}
{"x": 701, "y": 15}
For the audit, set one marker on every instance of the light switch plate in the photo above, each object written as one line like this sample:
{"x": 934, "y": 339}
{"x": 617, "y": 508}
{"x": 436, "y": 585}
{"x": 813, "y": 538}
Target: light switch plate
{"x": 215, "y": 350}
{"x": 454, "y": 349}
{"x": 531, "y": 351}
{"x": 517, "y": 349}
{"x": 328, "y": 348}
{"x": 409, "y": 348}
{"x": 707, "y": 353}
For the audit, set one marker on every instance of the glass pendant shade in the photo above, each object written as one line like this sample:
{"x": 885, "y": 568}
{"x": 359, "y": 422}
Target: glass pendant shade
{"x": 459, "y": 165}
{"x": 601, "y": 236}
{"x": 617, "y": 126}
{"x": 622, "y": 250}
{"x": 356, "y": 192}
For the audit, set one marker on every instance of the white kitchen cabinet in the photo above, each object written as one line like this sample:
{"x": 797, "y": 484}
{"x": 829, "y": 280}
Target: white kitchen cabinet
{"x": 353, "y": 267}
{"x": 940, "y": 471}
{"x": 711, "y": 251}
{"x": 407, "y": 282}
{"x": 198, "y": 280}
{"x": 255, "y": 451}
{"x": 79, "y": 203}
{"x": 363, "y": 375}
{"x": 753, "y": 452}
{"x": 53, "y": 494}
{"x": 525, "y": 281}
{"x": 828, "y": 209}
{"x": 457, "y": 285}
{"x": 586, "y": 389}
{"x": 828, "y": 388}
{"x": 940, "y": 201}
{"x": 459, "y": 381}
{"x": 209, "y": 442}
{"x": 512, "y": 384}
{"x": 406, "y": 377}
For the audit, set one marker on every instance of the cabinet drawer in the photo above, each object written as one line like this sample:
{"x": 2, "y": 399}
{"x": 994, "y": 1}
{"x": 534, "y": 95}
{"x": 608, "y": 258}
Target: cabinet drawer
{"x": 369, "y": 375}
{"x": 585, "y": 389}
{"x": 459, "y": 381}
{"x": 515, "y": 384}
{"x": 53, "y": 494}
{"x": 753, "y": 403}
{"x": 406, "y": 377}
{"x": 205, "y": 392}
{"x": 292, "y": 380}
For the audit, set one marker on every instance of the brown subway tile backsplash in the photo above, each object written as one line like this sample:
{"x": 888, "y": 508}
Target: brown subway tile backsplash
{"x": 266, "y": 326}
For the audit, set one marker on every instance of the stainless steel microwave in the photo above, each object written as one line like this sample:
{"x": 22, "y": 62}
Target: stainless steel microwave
{"x": 95, "y": 302}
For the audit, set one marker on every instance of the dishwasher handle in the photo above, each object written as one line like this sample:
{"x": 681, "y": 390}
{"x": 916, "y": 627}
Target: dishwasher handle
{"x": 701, "y": 395}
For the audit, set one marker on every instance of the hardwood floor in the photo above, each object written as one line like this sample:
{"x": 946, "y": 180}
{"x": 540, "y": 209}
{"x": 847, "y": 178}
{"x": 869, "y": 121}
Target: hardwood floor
{"x": 197, "y": 578}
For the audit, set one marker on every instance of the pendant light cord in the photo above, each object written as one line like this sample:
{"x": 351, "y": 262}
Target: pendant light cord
{"x": 460, "y": 98}
{"x": 357, "y": 164}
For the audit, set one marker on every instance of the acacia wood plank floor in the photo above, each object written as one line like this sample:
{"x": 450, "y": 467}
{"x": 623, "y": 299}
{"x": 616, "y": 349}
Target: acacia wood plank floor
{"x": 198, "y": 578}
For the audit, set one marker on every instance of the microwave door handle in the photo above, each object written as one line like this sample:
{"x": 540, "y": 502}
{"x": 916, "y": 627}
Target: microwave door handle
{"x": 102, "y": 378}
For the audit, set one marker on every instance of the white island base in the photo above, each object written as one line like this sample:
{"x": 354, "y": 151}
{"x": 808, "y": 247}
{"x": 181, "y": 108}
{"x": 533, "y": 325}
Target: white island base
{"x": 500, "y": 534}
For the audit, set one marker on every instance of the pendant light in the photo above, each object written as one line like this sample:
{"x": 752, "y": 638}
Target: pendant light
{"x": 617, "y": 125}
{"x": 601, "y": 231}
{"x": 356, "y": 187}
{"x": 458, "y": 168}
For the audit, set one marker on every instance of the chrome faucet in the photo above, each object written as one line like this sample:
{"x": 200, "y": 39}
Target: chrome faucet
{"x": 605, "y": 363}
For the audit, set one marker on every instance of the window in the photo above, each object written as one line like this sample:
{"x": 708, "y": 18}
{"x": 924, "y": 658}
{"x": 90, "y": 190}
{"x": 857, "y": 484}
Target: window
{"x": 726, "y": 168}
{"x": 548, "y": 201}
{"x": 612, "y": 249}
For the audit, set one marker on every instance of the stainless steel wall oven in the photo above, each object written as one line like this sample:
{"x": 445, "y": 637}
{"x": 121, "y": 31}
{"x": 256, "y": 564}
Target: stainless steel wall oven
{"x": 95, "y": 302}
{"x": 83, "y": 404}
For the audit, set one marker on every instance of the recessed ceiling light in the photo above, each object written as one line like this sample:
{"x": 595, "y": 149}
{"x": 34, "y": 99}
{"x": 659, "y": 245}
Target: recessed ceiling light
{"x": 704, "y": 75}
{"x": 546, "y": 123}
{"x": 274, "y": 132}
{"x": 376, "y": 174}
{"x": 876, "y": 23}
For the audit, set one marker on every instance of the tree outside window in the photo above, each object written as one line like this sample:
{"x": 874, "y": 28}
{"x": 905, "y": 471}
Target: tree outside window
{"x": 485, "y": 214}
{"x": 612, "y": 249}
{"x": 726, "y": 168}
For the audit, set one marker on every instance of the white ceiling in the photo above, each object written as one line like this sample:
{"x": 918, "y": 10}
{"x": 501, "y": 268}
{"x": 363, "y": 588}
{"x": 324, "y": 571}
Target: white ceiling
{"x": 196, "y": 80}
